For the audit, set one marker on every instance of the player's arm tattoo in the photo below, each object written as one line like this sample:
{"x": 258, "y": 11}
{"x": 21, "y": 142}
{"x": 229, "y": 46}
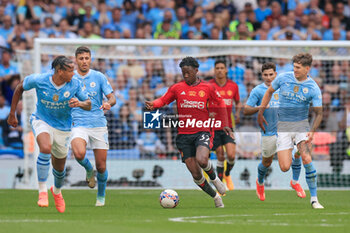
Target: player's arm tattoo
{"x": 318, "y": 119}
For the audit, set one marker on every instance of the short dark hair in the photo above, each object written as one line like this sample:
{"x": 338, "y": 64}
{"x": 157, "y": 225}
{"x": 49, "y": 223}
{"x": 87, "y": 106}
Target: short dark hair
{"x": 220, "y": 62}
{"x": 189, "y": 61}
{"x": 267, "y": 66}
{"x": 61, "y": 63}
{"x": 305, "y": 59}
{"x": 82, "y": 49}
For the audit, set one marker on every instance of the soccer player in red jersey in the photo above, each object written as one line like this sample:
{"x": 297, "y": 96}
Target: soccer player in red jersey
{"x": 193, "y": 139}
{"x": 229, "y": 92}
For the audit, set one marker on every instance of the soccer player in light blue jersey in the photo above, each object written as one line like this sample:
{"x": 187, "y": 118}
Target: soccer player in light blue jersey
{"x": 90, "y": 130}
{"x": 296, "y": 92}
{"x": 269, "y": 137}
{"x": 57, "y": 94}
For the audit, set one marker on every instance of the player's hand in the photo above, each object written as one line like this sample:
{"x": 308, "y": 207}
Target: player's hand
{"x": 261, "y": 121}
{"x": 149, "y": 105}
{"x": 229, "y": 132}
{"x": 105, "y": 106}
{"x": 310, "y": 137}
{"x": 74, "y": 102}
{"x": 12, "y": 120}
{"x": 237, "y": 119}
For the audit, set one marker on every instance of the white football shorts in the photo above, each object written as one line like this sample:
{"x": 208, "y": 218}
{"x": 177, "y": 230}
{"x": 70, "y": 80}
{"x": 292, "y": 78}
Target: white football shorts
{"x": 95, "y": 138}
{"x": 59, "y": 139}
{"x": 290, "y": 133}
{"x": 268, "y": 145}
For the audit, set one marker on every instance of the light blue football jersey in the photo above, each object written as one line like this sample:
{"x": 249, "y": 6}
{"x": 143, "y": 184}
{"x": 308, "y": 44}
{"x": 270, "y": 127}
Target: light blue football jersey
{"x": 270, "y": 113}
{"x": 52, "y": 105}
{"x": 296, "y": 96}
{"x": 95, "y": 84}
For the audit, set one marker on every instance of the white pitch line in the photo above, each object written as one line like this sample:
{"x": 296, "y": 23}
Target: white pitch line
{"x": 202, "y": 219}
{"x": 29, "y": 220}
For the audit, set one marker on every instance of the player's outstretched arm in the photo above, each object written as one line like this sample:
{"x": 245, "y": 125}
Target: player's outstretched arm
{"x": 249, "y": 110}
{"x": 12, "y": 119}
{"x": 86, "y": 104}
{"x": 316, "y": 124}
{"x": 265, "y": 101}
{"x": 111, "y": 101}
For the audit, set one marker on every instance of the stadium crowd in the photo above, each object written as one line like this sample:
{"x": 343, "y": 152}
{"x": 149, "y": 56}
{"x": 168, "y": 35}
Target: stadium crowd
{"x": 135, "y": 81}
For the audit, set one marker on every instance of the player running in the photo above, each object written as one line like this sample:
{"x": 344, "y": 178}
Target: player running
{"x": 297, "y": 90}
{"x": 229, "y": 92}
{"x": 90, "y": 128}
{"x": 51, "y": 122}
{"x": 269, "y": 137}
{"x": 192, "y": 96}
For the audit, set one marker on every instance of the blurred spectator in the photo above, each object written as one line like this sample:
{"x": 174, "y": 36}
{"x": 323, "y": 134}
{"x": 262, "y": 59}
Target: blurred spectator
{"x": 6, "y": 28}
{"x": 240, "y": 4}
{"x": 88, "y": 31}
{"x": 335, "y": 33}
{"x": 262, "y": 11}
{"x": 263, "y": 31}
{"x": 190, "y": 7}
{"x": 7, "y": 68}
{"x": 89, "y": 15}
{"x": 149, "y": 144}
{"x": 328, "y": 15}
{"x": 4, "y": 112}
{"x": 344, "y": 20}
{"x": 51, "y": 13}
{"x": 48, "y": 26}
{"x": 246, "y": 27}
{"x": 276, "y": 13}
{"x": 169, "y": 28}
{"x": 75, "y": 18}
{"x": 225, "y": 5}
{"x": 63, "y": 30}
{"x": 130, "y": 16}
{"x": 31, "y": 10}
{"x": 103, "y": 15}
{"x": 12, "y": 137}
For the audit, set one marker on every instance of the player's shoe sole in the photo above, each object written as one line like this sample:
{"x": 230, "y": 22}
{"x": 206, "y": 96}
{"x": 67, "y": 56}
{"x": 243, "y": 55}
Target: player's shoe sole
{"x": 91, "y": 181}
{"x": 260, "y": 191}
{"x": 59, "y": 201}
{"x": 218, "y": 202}
{"x": 229, "y": 183}
{"x": 220, "y": 187}
{"x": 316, "y": 205}
{"x": 297, "y": 187}
{"x": 43, "y": 200}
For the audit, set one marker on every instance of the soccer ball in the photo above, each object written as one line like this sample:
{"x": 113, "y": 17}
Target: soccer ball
{"x": 169, "y": 198}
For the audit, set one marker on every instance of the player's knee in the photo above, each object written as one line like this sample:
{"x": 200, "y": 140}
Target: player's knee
{"x": 45, "y": 149}
{"x": 101, "y": 168}
{"x": 285, "y": 168}
{"x": 203, "y": 163}
{"x": 306, "y": 159}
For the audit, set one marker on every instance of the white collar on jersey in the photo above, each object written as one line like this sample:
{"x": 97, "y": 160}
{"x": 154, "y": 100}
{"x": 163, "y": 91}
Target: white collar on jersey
{"x": 83, "y": 76}
{"x": 300, "y": 82}
{"x": 54, "y": 84}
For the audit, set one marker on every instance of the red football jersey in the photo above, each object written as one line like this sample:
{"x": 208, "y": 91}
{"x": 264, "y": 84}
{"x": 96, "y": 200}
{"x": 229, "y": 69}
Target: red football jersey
{"x": 192, "y": 106}
{"x": 229, "y": 92}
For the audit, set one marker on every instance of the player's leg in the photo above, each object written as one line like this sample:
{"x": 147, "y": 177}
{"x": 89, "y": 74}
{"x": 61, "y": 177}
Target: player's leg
{"x": 296, "y": 168}
{"x": 220, "y": 154}
{"x": 310, "y": 172}
{"x": 102, "y": 175}
{"x": 44, "y": 137}
{"x": 230, "y": 151}
{"x": 59, "y": 152}
{"x": 78, "y": 145}
{"x": 199, "y": 179}
{"x": 43, "y": 166}
{"x": 268, "y": 146}
{"x": 284, "y": 150}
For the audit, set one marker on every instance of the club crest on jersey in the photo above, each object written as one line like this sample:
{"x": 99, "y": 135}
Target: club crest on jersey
{"x": 275, "y": 96}
{"x": 201, "y": 93}
{"x": 296, "y": 89}
{"x": 229, "y": 93}
{"x": 192, "y": 93}
{"x": 55, "y": 97}
{"x": 305, "y": 90}
{"x": 222, "y": 92}
{"x": 92, "y": 84}
{"x": 66, "y": 94}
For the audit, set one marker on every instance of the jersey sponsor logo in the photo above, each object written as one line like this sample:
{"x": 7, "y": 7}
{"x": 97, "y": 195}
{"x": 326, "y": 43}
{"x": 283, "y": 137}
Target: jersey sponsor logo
{"x": 66, "y": 94}
{"x": 228, "y": 102}
{"x": 305, "y": 90}
{"x": 54, "y": 105}
{"x": 92, "y": 84}
{"x": 296, "y": 89}
{"x": 55, "y": 98}
{"x": 275, "y": 96}
{"x": 183, "y": 93}
{"x": 192, "y": 104}
{"x": 201, "y": 93}
{"x": 192, "y": 93}
{"x": 229, "y": 93}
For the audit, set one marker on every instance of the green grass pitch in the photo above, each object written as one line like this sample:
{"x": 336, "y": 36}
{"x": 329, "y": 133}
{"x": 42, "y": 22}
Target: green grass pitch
{"x": 139, "y": 211}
